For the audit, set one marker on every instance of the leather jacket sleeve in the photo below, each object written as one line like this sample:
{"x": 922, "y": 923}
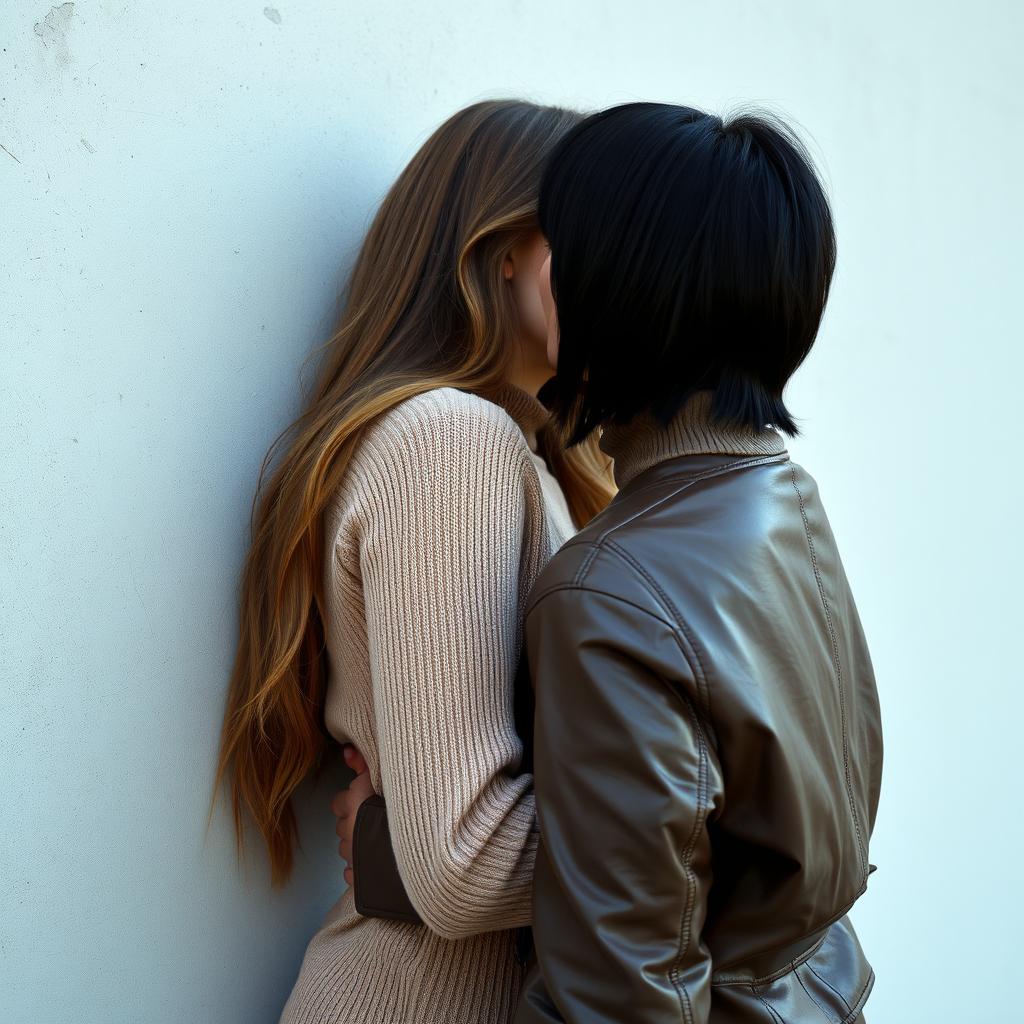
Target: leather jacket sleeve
{"x": 626, "y": 780}
{"x": 378, "y": 889}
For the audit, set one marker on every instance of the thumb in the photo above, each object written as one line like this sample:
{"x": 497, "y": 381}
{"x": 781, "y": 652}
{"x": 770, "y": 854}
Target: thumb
{"x": 354, "y": 759}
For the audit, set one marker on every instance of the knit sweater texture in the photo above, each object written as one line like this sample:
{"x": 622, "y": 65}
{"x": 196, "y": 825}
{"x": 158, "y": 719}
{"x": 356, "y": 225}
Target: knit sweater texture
{"x": 443, "y": 521}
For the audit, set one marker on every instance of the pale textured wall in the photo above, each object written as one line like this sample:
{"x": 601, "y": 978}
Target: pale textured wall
{"x": 183, "y": 186}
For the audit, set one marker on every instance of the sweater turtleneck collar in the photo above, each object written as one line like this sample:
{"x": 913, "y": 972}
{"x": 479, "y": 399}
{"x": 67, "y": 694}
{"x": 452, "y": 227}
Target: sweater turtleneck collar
{"x": 643, "y": 442}
{"x": 527, "y": 410}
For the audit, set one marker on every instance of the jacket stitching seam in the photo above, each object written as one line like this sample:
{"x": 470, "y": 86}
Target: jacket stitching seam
{"x": 837, "y": 664}
{"x": 824, "y": 982}
{"x": 584, "y": 568}
{"x": 720, "y": 470}
{"x": 603, "y": 593}
{"x": 821, "y": 1009}
{"x": 700, "y": 674}
{"x": 698, "y": 824}
{"x": 685, "y": 1004}
{"x": 681, "y": 475}
{"x": 772, "y": 1012}
{"x": 858, "y": 1003}
{"x": 684, "y": 483}
{"x": 778, "y": 974}
{"x": 767, "y": 979}
{"x": 672, "y": 626}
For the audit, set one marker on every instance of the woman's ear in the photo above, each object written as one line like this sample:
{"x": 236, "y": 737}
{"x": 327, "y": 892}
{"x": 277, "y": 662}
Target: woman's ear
{"x": 508, "y": 267}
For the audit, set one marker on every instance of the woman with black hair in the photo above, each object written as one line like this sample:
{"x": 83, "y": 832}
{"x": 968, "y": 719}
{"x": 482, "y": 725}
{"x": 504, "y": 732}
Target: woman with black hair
{"x": 707, "y": 746}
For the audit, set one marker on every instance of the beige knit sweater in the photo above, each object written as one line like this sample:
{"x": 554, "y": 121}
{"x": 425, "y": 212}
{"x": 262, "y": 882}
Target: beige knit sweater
{"x": 443, "y": 521}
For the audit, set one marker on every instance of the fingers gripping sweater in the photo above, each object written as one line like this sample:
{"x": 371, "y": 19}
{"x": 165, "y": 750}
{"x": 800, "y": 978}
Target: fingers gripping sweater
{"x": 443, "y": 521}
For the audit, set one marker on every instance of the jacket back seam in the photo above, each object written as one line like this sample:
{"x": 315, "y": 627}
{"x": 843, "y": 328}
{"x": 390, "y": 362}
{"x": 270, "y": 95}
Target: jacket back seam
{"x": 854, "y": 1011}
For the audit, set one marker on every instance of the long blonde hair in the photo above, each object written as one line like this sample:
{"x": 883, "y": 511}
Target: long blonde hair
{"x": 427, "y": 307}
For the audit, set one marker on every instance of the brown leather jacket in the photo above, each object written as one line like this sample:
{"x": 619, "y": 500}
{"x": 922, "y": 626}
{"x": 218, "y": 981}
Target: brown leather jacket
{"x": 707, "y": 755}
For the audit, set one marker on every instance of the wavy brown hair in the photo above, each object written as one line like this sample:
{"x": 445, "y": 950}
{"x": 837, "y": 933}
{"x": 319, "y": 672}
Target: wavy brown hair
{"x": 426, "y": 307}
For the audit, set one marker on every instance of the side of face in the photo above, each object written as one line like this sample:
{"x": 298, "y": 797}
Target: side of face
{"x": 522, "y": 268}
{"x": 547, "y": 303}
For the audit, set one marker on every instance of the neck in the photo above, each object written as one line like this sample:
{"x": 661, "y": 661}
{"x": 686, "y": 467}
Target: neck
{"x": 643, "y": 442}
{"x": 524, "y": 407}
{"x": 529, "y": 368}
{"x": 527, "y": 372}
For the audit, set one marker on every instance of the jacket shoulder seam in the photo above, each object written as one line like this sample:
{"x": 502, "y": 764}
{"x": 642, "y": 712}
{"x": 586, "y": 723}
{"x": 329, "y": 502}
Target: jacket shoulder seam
{"x": 673, "y": 627}
{"x": 679, "y": 624}
{"x": 583, "y": 588}
{"x": 683, "y": 636}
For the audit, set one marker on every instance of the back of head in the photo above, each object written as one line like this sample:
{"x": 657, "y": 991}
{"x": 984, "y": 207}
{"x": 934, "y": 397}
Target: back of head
{"x": 687, "y": 253}
{"x": 426, "y": 298}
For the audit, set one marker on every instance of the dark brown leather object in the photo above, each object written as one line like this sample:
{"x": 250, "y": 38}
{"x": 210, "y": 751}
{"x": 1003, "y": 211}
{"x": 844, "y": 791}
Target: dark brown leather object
{"x": 378, "y": 888}
{"x": 707, "y": 754}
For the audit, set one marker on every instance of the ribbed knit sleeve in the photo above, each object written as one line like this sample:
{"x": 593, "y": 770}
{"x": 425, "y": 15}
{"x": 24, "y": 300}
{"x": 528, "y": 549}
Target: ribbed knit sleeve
{"x": 442, "y": 504}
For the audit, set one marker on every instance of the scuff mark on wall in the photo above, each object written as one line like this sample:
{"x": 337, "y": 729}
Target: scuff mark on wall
{"x": 9, "y": 153}
{"x": 53, "y": 29}
{"x": 273, "y": 14}
{"x": 88, "y": 145}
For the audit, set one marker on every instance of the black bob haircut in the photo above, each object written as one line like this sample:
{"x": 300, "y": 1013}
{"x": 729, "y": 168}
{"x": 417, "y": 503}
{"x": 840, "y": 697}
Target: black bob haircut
{"x": 687, "y": 253}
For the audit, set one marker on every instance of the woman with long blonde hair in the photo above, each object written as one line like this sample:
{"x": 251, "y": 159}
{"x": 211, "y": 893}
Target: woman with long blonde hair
{"x": 398, "y": 527}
